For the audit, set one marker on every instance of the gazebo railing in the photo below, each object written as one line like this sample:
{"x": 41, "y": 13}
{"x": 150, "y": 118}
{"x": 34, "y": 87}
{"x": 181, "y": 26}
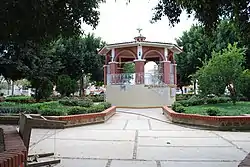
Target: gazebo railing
{"x": 135, "y": 79}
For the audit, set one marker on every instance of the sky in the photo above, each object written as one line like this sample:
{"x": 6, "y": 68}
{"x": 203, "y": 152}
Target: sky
{"x": 118, "y": 22}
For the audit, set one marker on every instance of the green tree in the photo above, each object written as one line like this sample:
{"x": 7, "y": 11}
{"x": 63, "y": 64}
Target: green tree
{"x": 65, "y": 85}
{"x": 196, "y": 46}
{"x": 78, "y": 56}
{"x": 28, "y": 26}
{"x": 42, "y": 72}
{"x": 222, "y": 71}
{"x": 245, "y": 84}
{"x": 209, "y": 13}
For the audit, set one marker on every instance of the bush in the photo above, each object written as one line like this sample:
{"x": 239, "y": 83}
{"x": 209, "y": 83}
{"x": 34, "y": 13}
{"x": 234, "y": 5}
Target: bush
{"x": 180, "y": 97}
{"x": 178, "y": 107}
{"x": 76, "y": 102}
{"x": 97, "y": 98}
{"x": 212, "y": 111}
{"x": 65, "y": 85}
{"x": 20, "y": 99}
{"x": 51, "y": 112}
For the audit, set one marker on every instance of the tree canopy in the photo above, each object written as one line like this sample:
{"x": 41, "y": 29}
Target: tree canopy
{"x": 222, "y": 71}
{"x": 37, "y": 20}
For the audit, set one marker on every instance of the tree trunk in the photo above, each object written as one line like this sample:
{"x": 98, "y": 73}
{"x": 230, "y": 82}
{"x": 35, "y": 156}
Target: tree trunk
{"x": 232, "y": 93}
{"x": 195, "y": 86}
{"x": 181, "y": 88}
{"x": 12, "y": 88}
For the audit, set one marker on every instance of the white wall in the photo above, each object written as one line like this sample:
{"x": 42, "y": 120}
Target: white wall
{"x": 138, "y": 96}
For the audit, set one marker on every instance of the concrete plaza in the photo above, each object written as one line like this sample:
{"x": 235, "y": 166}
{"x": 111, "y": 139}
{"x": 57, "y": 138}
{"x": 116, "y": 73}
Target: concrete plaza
{"x": 131, "y": 140}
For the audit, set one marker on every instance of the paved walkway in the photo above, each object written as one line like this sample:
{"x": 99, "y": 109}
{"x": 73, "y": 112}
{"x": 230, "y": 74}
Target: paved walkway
{"x": 129, "y": 140}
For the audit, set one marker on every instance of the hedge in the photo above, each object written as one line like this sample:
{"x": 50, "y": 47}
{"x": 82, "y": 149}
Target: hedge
{"x": 193, "y": 101}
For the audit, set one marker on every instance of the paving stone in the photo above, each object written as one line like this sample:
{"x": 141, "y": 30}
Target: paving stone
{"x": 112, "y": 124}
{"x": 197, "y": 142}
{"x": 87, "y": 149}
{"x": 78, "y": 133}
{"x": 157, "y": 125}
{"x": 236, "y": 136}
{"x": 181, "y": 134}
{"x": 243, "y": 144}
{"x": 117, "y": 163}
{"x": 199, "y": 164}
{"x": 190, "y": 153}
{"x": 82, "y": 163}
{"x": 138, "y": 125}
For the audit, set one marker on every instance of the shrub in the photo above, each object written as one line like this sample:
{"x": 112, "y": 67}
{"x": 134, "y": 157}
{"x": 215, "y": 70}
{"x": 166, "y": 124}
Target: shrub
{"x": 77, "y": 102}
{"x": 65, "y": 85}
{"x": 51, "y": 112}
{"x": 77, "y": 110}
{"x": 97, "y": 98}
{"x": 178, "y": 107}
{"x": 212, "y": 111}
{"x": 20, "y": 99}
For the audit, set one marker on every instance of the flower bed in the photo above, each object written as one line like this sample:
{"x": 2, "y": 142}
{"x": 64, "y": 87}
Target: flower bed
{"x": 216, "y": 122}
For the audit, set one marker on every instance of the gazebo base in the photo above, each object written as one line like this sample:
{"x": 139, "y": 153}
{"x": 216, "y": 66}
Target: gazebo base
{"x": 139, "y": 95}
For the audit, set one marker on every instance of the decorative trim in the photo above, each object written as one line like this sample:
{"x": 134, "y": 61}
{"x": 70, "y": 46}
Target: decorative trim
{"x": 136, "y": 60}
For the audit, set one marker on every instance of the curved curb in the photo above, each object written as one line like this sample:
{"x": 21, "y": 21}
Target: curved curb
{"x": 84, "y": 119}
{"x": 214, "y": 122}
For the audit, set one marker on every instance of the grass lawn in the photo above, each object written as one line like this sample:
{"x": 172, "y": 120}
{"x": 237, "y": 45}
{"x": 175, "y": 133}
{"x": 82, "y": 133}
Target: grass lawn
{"x": 226, "y": 109}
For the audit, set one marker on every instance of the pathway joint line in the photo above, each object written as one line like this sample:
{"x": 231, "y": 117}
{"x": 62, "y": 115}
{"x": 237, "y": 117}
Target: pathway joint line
{"x": 125, "y": 126}
{"x": 158, "y": 163}
{"x": 108, "y": 163}
{"x": 229, "y": 141}
{"x": 135, "y": 145}
{"x": 149, "y": 124}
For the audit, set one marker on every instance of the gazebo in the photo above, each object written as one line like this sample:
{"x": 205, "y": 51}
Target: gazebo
{"x": 162, "y": 80}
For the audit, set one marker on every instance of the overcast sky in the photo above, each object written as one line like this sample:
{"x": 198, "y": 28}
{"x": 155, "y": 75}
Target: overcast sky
{"x": 118, "y": 22}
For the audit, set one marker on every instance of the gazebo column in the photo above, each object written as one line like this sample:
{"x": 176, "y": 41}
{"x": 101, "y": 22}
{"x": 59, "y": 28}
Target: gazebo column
{"x": 139, "y": 70}
{"x": 166, "y": 72}
{"x": 113, "y": 71}
{"x": 175, "y": 74}
{"x": 105, "y": 71}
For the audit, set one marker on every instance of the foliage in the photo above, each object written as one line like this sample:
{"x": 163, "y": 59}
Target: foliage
{"x": 22, "y": 84}
{"x": 48, "y": 20}
{"x": 180, "y": 97}
{"x": 65, "y": 85}
{"x": 53, "y": 108}
{"x": 222, "y": 71}
{"x": 96, "y": 98}
{"x": 77, "y": 102}
{"x": 19, "y": 99}
{"x": 197, "y": 47}
{"x": 212, "y": 111}
{"x": 245, "y": 82}
{"x": 209, "y": 13}
{"x": 78, "y": 56}
{"x": 225, "y": 109}
{"x": 178, "y": 107}
{"x": 43, "y": 88}
{"x": 194, "y": 101}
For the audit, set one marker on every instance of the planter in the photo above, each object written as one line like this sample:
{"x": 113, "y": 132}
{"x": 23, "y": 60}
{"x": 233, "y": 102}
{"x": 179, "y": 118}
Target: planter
{"x": 215, "y": 122}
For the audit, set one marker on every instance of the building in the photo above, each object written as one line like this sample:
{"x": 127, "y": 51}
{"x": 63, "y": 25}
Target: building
{"x": 140, "y": 89}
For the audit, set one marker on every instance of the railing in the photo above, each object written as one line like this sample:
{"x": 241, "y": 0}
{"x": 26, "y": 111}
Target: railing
{"x": 135, "y": 79}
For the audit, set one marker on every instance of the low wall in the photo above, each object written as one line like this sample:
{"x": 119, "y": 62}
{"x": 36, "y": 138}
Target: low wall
{"x": 216, "y": 122}
{"x": 15, "y": 153}
{"x": 84, "y": 119}
{"x": 138, "y": 96}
